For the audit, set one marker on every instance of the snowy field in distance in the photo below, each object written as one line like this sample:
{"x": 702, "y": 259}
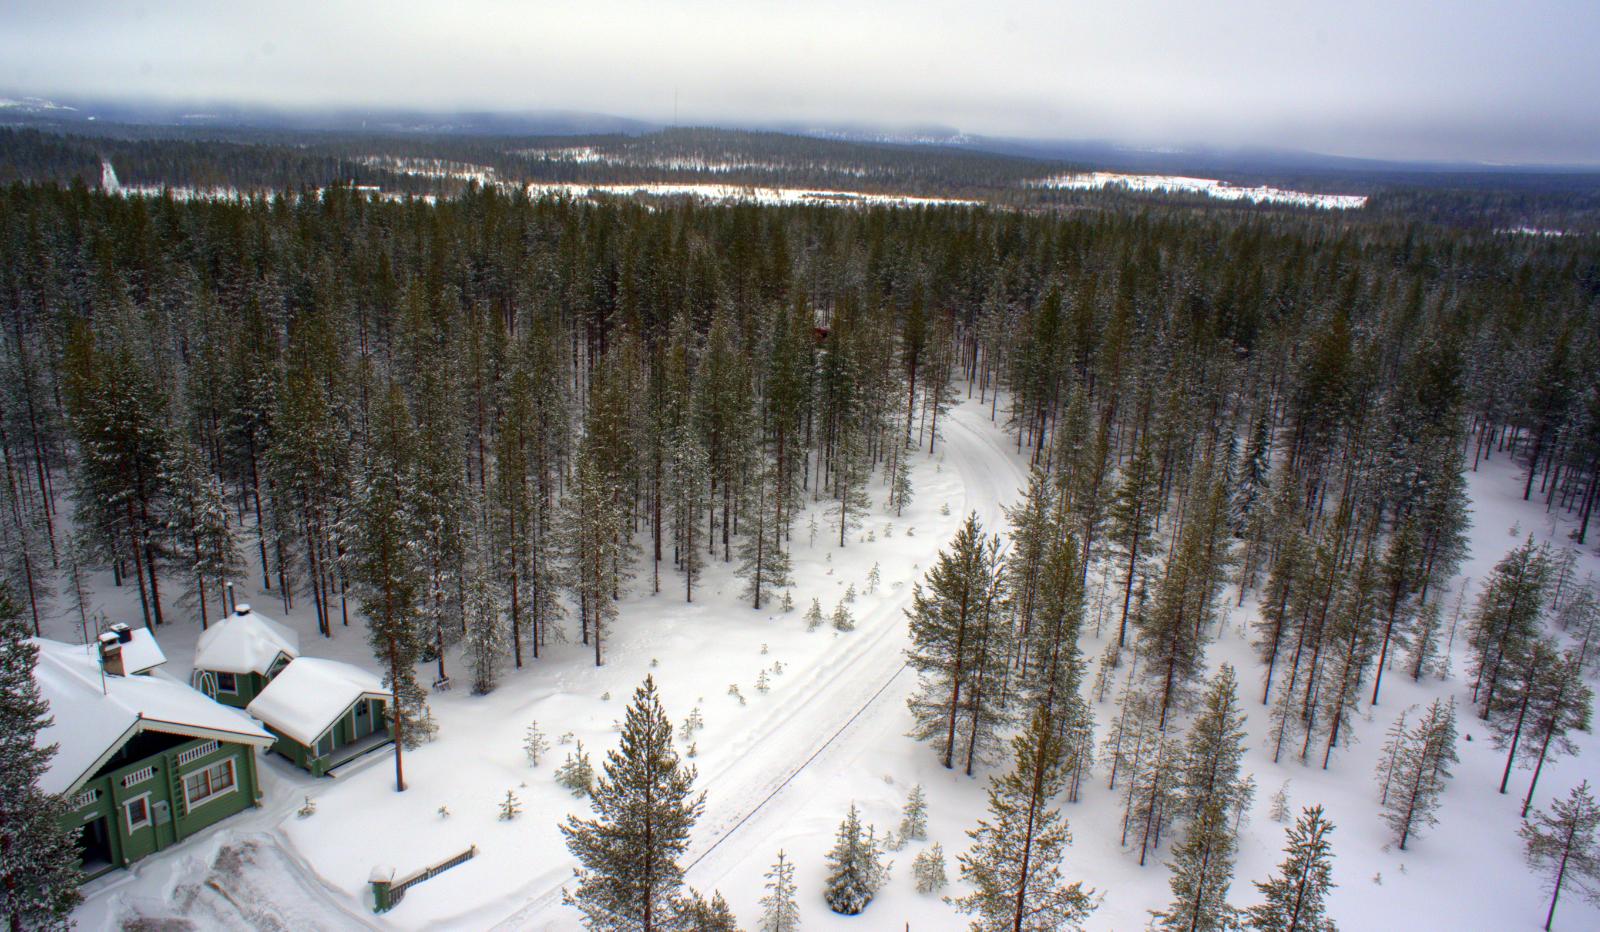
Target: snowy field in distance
{"x": 1210, "y": 187}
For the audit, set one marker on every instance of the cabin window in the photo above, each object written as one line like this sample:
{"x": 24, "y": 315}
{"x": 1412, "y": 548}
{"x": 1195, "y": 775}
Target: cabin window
{"x": 204, "y": 785}
{"x": 325, "y": 744}
{"x": 137, "y": 810}
{"x": 227, "y": 683}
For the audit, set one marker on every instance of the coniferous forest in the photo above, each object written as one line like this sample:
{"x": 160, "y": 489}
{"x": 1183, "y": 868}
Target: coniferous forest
{"x": 463, "y": 430}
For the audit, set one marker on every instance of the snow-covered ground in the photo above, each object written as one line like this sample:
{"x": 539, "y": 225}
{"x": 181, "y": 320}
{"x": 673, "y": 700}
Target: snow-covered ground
{"x": 1210, "y": 187}
{"x": 749, "y": 194}
{"x": 780, "y": 770}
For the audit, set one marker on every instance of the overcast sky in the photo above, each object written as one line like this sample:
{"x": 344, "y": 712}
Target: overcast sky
{"x": 1473, "y": 79}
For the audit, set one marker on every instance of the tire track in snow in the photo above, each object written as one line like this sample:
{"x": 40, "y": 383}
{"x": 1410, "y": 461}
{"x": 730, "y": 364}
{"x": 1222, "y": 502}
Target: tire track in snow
{"x": 992, "y": 474}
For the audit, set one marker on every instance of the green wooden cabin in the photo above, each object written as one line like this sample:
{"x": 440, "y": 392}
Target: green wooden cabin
{"x": 144, "y": 761}
{"x": 324, "y": 713}
{"x": 238, "y": 656}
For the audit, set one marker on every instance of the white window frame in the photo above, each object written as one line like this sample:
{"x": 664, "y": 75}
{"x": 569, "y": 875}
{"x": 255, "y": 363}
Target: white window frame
{"x": 127, "y": 813}
{"x": 232, "y": 678}
{"x": 190, "y": 804}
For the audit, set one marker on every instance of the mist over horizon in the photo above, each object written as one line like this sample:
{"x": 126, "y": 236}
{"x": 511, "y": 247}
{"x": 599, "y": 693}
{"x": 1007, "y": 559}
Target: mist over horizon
{"x": 1493, "y": 83}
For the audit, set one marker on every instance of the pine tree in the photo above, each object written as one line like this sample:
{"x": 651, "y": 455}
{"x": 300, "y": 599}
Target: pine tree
{"x": 1296, "y": 896}
{"x": 1506, "y": 618}
{"x": 842, "y": 619}
{"x": 779, "y": 911}
{"x": 1014, "y": 865}
{"x": 389, "y": 583}
{"x": 855, "y": 867}
{"x": 1213, "y": 752}
{"x": 1421, "y": 769}
{"x": 927, "y": 869}
{"x": 814, "y": 615}
{"x": 696, "y": 912}
{"x": 1563, "y": 704}
{"x": 38, "y": 858}
{"x": 914, "y": 818}
{"x": 629, "y": 874}
{"x": 1133, "y": 513}
{"x": 1566, "y": 843}
{"x": 534, "y": 744}
{"x": 959, "y": 647}
{"x": 576, "y": 773}
{"x": 510, "y": 807}
{"x": 764, "y": 564}
{"x": 1202, "y": 870}
{"x": 1400, "y": 562}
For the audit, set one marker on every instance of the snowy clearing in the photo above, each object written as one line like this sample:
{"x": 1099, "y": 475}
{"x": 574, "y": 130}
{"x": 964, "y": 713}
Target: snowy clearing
{"x": 1210, "y": 187}
{"x": 780, "y": 768}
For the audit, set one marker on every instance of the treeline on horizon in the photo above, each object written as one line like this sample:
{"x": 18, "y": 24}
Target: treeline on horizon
{"x": 475, "y": 421}
{"x": 270, "y": 161}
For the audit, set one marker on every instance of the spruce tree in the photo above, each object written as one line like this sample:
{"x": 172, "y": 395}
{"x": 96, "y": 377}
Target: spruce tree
{"x": 855, "y": 867}
{"x": 38, "y": 857}
{"x": 1014, "y": 865}
{"x": 629, "y": 877}
{"x": 959, "y": 647}
{"x": 384, "y": 572}
{"x": 1564, "y": 846}
{"x": 927, "y": 869}
{"x": 486, "y": 630}
{"x": 1202, "y": 870}
{"x": 779, "y": 911}
{"x": 1296, "y": 896}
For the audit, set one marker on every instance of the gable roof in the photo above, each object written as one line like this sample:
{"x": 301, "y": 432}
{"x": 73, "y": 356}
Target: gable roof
{"x": 244, "y": 642}
{"x": 90, "y": 722}
{"x": 311, "y": 694}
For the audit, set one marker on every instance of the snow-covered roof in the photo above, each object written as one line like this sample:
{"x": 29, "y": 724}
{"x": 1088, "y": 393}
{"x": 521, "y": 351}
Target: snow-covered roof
{"x": 93, "y": 717}
{"x": 140, "y": 653}
{"x": 311, "y": 694}
{"x": 244, "y": 642}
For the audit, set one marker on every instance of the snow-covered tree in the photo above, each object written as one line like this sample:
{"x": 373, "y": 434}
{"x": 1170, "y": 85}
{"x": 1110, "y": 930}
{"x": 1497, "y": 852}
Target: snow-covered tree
{"x": 856, "y": 869}
{"x": 201, "y": 535}
{"x": 1506, "y": 619}
{"x": 914, "y": 816}
{"x": 779, "y": 911}
{"x": 814, "y": 615}
{"x": 38, "y": 858}
{"x": 1296, "y": 896}
{"x": 486, "y": 639}
{"x": 927, "y": 869}
{"x": 576, "y": 773}
{"x": 1564, "y": 846}
{"x": 534, "y": 744}
{"x": 1420, "y": 771}
{"x": 694, "y": 912}
{"x": 1014, "y": 865}
{"x": 960, "y": 647}
{"x": 645, "y": 806}
{"x": 842, "y": 619}
{"x": 1202, "y": 870}
{"x": 384, "y": 571}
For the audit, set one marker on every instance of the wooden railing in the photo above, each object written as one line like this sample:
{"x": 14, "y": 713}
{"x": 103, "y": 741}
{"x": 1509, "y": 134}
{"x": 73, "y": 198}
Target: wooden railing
{"x": 387, "y": 892}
